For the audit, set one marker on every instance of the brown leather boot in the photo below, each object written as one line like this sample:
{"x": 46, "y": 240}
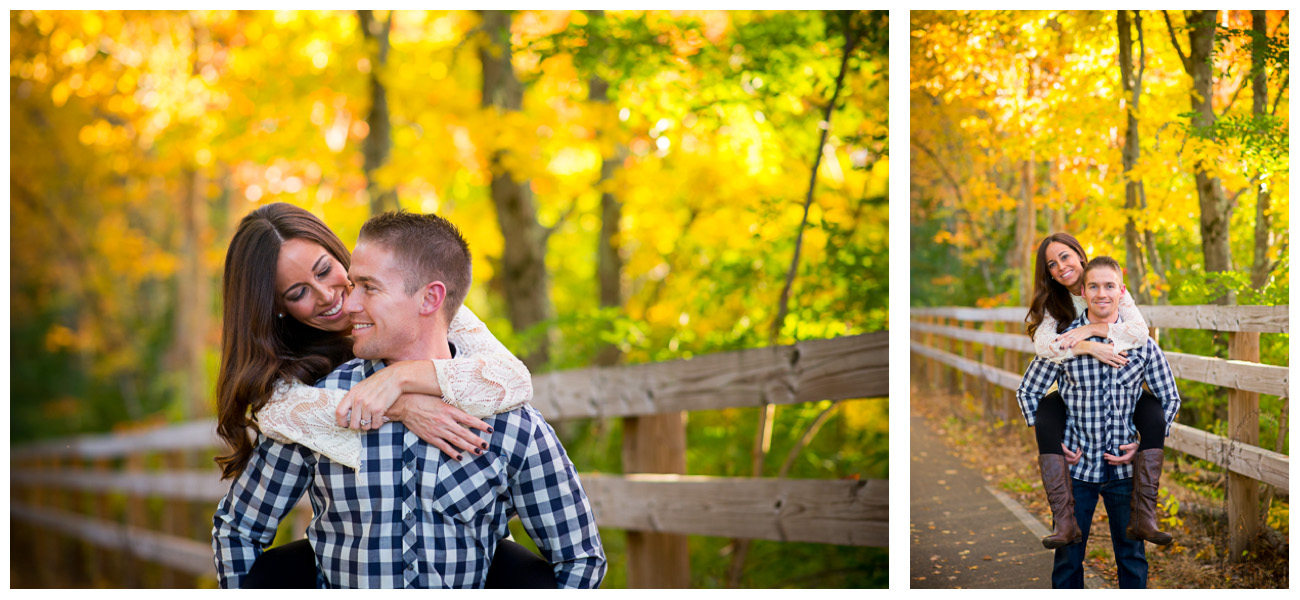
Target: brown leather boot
{"x": 1146, "y": 482}
{"x": 1060, "y": 495}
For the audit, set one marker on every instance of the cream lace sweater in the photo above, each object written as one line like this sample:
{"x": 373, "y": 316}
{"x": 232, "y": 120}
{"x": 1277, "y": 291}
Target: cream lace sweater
{"x": 1131, "y": 332}
{"x": 484, "y": 379}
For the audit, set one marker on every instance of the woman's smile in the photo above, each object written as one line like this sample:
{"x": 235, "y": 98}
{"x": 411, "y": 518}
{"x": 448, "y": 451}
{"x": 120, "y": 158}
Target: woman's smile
{"x": 337, "y": 309}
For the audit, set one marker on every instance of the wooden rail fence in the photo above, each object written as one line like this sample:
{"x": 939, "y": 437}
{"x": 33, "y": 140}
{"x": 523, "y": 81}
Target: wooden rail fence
{"x": 959, "y": 347}
{"x": 147, "y": 498}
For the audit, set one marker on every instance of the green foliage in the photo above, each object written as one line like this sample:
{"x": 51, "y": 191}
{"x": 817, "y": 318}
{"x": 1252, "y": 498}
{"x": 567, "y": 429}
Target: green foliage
{"x": 1265, "y": 138}
{"x": 1276, "y": 49}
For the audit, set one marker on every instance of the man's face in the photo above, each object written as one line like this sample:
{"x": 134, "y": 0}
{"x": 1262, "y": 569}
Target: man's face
{"x": 385, "y": 320}
{"x": 1101, "y": 289}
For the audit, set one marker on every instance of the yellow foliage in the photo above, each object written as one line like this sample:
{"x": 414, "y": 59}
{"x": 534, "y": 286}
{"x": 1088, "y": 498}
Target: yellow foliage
{"x": 866, "y": 415}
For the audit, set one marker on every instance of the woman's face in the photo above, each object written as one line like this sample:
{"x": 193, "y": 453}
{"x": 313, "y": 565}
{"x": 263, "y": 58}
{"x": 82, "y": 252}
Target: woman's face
{"x": 1064, "y": 265}
{"x": 311, "y": 286}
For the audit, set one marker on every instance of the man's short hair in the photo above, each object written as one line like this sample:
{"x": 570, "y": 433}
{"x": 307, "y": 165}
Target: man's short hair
{"x": 1098, "y": 262}
{"x": 427, "y": 248}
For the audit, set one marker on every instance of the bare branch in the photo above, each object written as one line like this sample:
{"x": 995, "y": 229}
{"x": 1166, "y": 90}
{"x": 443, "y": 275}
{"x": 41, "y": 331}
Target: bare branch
{"x": 807, "y": 437}
{"x": 1285, "y": 82}
{"x": 1142, "y": 57}
{"x": 1187, "y": 66}
{"x": 559, "y": 221}
{"x": 1233, "y": 99}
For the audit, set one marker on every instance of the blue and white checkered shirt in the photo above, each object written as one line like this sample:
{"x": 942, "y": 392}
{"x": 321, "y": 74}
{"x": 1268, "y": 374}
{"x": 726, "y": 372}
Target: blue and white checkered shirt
{"x": 1099, "y": 400}
{"x": 412, "y": 517}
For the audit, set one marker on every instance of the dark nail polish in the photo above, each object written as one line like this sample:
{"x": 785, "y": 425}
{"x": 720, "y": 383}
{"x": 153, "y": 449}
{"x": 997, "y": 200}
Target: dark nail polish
{"x": 477, "y": 451}
{"x": 489, "y": 430}
{"x": 485, "y": 446}
{"x": 458, "y": 457}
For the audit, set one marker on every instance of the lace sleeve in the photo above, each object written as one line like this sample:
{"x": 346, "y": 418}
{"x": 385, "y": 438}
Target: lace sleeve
{"x": 298, "y": 413}
{"x": 485, "y": 378}
{"x": 1131, "y": 332}
{"x": 1043, "y": 338}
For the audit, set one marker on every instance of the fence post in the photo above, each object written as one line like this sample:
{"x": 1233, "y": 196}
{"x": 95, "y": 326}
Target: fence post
{"x": 931, "y": 365}
{"x": 176, "y": 515}
{"x": 1243, "y": 428}
{"x": 950, "y": 381}
{"x": 105, "y": 564}
{"x": 990, "y": 407}
{"x": 1009, "y": 364}
{"x": 47, "y": 554}
{"x": 656, "y": 444}
{"x": 968, "y": 381}
{"x": 133, "y": 567}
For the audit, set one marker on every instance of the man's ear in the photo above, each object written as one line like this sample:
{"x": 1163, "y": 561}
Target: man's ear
{"x": 432, "y": 297}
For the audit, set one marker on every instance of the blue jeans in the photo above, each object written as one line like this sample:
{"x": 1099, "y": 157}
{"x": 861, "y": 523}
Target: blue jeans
{"x": 1130, "y": 555}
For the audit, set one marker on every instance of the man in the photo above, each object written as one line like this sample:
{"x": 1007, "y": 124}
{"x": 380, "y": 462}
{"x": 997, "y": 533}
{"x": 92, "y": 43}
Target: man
{"x": 412, "y": 516}
{"x": 1100, "y": 400}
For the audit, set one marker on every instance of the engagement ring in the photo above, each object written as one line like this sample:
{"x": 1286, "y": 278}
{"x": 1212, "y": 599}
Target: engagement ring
{"x": 364, "y": 422}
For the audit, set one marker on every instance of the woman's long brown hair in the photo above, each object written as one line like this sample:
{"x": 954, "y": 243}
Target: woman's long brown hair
{"x": 1049, "y": 295}
{"x": 257, "y": 347}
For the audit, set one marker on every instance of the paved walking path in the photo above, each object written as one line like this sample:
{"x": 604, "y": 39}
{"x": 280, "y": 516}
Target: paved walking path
{"x": 965, "y": 533}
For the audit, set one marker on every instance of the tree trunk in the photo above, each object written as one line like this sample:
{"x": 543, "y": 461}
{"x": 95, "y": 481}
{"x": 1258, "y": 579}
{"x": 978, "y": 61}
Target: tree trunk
{"x": 193, "y": 287}
{"x": 192, "y": 297}
{"x": 1023, "y": 257}
{"x": 1216, "y": 210}
{"x": 1132, "y": 83}
{"x": 1262, "y": 266}
{"x": 523, "y": 259}
{"x": 379, "y": 142}
{"x": 609, "y": 262}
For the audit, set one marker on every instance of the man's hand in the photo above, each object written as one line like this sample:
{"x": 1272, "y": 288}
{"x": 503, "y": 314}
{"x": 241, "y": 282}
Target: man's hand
{"x": 442, "y": 425}
{"x": 1072, "y": 458}
{"x": 1130, "y": 450}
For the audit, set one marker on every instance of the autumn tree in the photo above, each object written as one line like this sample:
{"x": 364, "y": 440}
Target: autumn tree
{"x": 1216, "y": 210}
{"x": 379, "y": 142}
{"x": 523, "y": 261}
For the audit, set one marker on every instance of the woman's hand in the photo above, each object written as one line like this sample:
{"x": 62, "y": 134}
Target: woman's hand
{"x": 442, "y": 425}
{"x": 1072, "y": 337}
{"x": 1103, "y": 352}
{"x": 365, "y": 405}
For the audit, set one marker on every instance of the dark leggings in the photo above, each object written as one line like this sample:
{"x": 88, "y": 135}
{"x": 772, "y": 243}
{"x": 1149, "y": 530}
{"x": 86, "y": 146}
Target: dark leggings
{"x": 293, "y": 566}
{"x": 1049, "y": 423}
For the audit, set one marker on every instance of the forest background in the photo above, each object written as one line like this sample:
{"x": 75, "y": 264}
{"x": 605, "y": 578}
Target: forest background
{"x": 1157, "y": 137}
{"x": 636, "y": 187}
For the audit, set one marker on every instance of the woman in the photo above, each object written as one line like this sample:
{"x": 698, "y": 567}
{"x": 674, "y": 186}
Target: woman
{"x": 1058, "y": 301}
{"x": 284, "y": 286}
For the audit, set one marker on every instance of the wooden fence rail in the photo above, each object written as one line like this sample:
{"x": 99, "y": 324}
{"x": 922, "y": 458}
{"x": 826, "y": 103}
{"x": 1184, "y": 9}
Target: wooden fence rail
{"x": 937, "y": 332}
{"x": 53, "y": 482}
